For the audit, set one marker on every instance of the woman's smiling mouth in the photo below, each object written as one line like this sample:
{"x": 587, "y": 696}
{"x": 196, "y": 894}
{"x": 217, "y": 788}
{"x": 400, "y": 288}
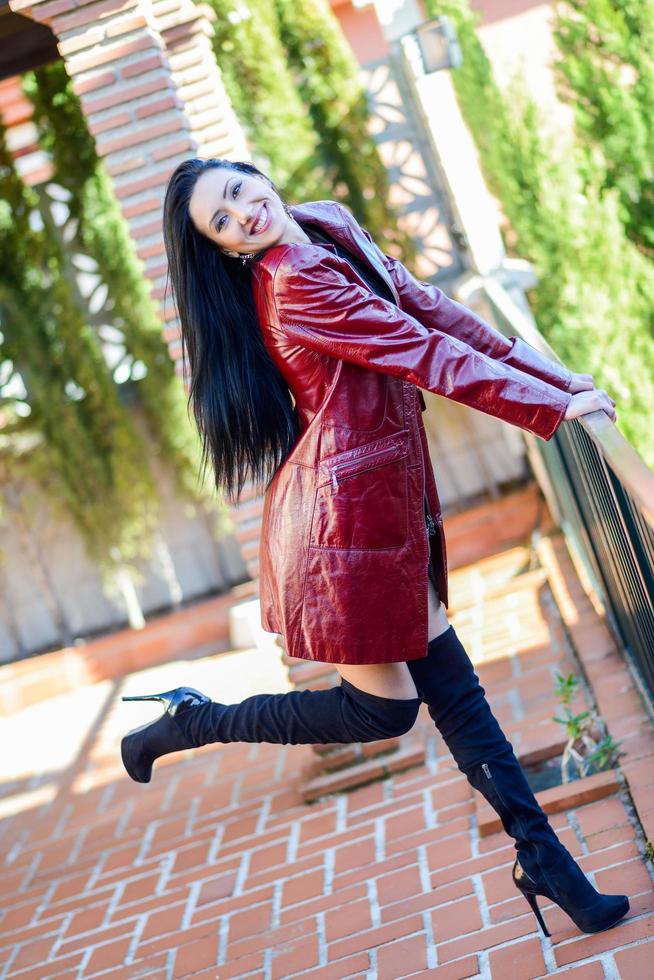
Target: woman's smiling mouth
{"x": 262, "y": 221}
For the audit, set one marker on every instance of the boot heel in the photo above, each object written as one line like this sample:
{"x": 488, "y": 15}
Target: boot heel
{"x": 172, "y": 700}
{"x": 531, "y": 899}
{"x": 164, "y": 697}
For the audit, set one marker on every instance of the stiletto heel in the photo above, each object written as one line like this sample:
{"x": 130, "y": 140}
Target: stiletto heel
{"x": 569, "y": 888}
{"x": 142, "y": 745}
{"x": 527, "y": 887}
{"x": 171, "y": 699}
{"x": 143, "y": 697}
{"x": 531, "y": 899}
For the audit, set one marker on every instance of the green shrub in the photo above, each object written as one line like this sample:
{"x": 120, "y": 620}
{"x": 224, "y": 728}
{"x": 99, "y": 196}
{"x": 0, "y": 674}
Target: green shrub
{"x": 593, "y": 301}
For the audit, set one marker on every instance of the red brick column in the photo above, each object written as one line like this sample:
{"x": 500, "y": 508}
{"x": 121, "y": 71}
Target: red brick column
{"x": 153, "y": 95}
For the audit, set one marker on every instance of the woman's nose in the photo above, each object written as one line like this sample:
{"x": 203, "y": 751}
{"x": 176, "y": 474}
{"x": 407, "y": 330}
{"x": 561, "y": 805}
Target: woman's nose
{"x": 243, "y": 214}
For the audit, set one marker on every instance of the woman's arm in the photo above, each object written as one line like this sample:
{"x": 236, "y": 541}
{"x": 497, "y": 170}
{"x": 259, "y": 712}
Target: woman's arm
{"x": 321, "y": 308}
{"x": 433, "y": 308}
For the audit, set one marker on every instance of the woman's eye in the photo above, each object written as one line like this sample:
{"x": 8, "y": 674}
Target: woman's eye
{"x": 235, "y": 189}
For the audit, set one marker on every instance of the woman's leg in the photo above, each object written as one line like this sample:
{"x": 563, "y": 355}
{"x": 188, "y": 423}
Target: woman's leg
{"x": 437, "y": 621}
{"x": 456, "y": 701}
{"x": 345, "y": 713}
{"x": 384, "y": 680}
{"x": 348, "y": 712}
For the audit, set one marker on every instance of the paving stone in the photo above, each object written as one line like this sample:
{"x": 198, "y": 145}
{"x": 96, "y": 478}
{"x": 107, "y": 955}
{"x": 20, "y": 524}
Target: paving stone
{"x": 522, "y": 960}
{"x": 221, "y": 862}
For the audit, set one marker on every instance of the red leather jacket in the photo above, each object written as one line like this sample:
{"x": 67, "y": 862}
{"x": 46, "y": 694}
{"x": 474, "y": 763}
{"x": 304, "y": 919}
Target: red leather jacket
{"x": 344, "y": 548}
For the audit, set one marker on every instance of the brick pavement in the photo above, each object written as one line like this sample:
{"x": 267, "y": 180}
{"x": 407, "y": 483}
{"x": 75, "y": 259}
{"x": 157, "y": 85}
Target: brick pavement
{"x": 217, "y": 869}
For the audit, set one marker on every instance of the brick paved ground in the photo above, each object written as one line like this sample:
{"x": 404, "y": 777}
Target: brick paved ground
{"x": 216, "y": 869}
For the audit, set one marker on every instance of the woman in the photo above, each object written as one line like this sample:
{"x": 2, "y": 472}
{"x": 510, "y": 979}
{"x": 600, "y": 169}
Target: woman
{"x": 308, "y": 348}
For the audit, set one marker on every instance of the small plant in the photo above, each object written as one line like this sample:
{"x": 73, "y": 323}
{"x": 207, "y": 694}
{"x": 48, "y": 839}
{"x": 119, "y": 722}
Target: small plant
{"x": 574, "y": 723}
{"x": 566, "y": 687}
{"x": 587, "y": 750}
{"x": 606, "y": 754}
{"x": 649, "y": 850}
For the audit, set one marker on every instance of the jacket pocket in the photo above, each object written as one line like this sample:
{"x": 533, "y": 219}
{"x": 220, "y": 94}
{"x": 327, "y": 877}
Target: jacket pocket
{"x": 361, "y": 501}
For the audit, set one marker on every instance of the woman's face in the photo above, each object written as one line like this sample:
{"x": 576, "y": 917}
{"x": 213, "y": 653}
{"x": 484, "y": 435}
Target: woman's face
{"x": 240, "y": 212}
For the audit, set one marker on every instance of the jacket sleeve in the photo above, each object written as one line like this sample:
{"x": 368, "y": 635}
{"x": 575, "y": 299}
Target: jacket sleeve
{"x": 432, "y": 307}
{"x": 320, "y": 307}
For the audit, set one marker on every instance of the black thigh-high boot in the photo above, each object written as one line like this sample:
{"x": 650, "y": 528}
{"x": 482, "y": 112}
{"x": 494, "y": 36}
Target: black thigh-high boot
{"x": 339, "y": 714}
{"x": 456, "y": 701}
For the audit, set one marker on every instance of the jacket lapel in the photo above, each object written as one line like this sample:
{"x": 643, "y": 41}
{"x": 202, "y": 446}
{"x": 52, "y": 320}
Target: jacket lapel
{"x": 346, "y": 231}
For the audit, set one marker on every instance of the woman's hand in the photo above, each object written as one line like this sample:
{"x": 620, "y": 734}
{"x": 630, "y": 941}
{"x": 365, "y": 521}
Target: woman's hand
{"x": 581, "y": 382}
{"x": 584, "y": 402}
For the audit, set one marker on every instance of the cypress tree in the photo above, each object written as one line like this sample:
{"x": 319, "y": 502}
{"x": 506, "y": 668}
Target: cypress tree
{"x": 327, "y": 76}
{"x": 593, "y": 298}
{"x": 606, "y": 72}
{"x": 262, "y": 90}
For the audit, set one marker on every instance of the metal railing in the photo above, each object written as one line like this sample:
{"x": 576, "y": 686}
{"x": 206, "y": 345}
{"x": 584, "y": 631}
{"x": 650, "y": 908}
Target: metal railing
{"x": 602, "y": 495}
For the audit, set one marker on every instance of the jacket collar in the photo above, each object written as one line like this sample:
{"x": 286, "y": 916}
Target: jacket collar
{"x": 340, "y": 225}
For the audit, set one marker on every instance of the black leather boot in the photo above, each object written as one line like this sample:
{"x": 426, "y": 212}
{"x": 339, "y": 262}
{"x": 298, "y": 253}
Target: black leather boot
{"x": 456, "y": 701}
{"x": 340, "y": 714}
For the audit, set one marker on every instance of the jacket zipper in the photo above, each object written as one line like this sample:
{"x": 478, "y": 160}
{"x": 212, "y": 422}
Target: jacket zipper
{"x": 389, "y": 451}
{"x": 431, "y": 526}
{"x": 427, "y": 526}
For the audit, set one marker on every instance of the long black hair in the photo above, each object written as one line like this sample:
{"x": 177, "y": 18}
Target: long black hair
{"x": 242, "y": 406}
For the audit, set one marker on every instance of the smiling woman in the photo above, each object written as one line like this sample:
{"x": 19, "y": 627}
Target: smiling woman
{"x": 315, "y": 312}
{"x": 241, "y": 212}
{"x": 210, "y": 211}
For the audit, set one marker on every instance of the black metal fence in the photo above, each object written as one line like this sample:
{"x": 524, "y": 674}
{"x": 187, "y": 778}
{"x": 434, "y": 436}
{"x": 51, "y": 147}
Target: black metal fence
{"x": 603, "y": 495}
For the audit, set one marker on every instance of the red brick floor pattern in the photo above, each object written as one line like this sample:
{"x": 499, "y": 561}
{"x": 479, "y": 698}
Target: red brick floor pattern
{"x": 217, "y": 869}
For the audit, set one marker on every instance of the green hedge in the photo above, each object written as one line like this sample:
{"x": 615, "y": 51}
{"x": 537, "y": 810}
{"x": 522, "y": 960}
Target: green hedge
{"x": 593, "y": 302}
{"x": 606, "y": 73}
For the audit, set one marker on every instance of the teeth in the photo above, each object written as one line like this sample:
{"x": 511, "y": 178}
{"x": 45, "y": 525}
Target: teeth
{"x": 261, "y": 220}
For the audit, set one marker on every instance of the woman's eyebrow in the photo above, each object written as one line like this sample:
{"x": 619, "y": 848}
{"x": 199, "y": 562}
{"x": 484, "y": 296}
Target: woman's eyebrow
{"x": 224, "y": 196}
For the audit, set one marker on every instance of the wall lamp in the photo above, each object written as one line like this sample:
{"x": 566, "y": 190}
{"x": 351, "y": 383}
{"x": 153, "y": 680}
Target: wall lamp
{"x": 438, "y": 45}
